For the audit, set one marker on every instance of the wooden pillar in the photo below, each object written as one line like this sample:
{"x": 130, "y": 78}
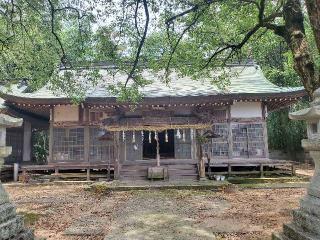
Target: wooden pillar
{"x": 117, "y": 165}
{"x": 293, "y": 170}
{"x": 261, "y": 170}
{"x": 15, "y": 172}
{"x": 201, "y": 164}
{"x": 27, "y": 134}
{"x": 265, "y": 139}
{"x": 158, "y": 152}
{"x": 229, "y": 169}
{"x": 193, "y": 144}
{"x": 50, "y": 159}
{"x": 88, "y": 174}
{"x": 265, "y": 129}
{"x": 230, "y": 141}
{"x": 86, "y": 143}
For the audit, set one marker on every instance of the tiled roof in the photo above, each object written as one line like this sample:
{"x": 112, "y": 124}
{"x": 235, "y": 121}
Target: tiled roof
{"x": 247, "y": 79}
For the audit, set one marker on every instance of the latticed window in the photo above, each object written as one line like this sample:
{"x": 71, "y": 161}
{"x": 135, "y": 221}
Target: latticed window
{"x": 101, "y": 148}
{"x": 68, "y": 144}
{"x": 248, "y": 140}
{"x": 218, "y": 147}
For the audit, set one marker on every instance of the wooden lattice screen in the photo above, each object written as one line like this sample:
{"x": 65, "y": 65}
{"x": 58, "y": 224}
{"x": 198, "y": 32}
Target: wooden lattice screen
{"x": 100, "y": 150}
{"x": 68, "y": 144}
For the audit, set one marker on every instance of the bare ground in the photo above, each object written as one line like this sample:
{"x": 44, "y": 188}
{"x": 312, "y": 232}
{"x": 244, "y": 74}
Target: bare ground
{"x": 70, "y": 212}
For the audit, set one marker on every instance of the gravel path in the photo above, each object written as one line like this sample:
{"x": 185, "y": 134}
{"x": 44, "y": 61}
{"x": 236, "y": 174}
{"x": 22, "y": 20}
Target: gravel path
{"x": 72, "y": 213}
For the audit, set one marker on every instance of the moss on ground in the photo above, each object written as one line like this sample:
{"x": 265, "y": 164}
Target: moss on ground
{"x": 30, "y": 218}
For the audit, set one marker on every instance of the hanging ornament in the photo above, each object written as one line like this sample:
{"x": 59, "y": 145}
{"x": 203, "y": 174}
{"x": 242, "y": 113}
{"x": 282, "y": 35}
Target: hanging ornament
{"x": 123, "y": 136}
{"x": 155, "y": 135}
{"x": 142, "y": 136}
{"x": 135, "y": 147}
{"x": 183, "y": 135}
{"x": 133, "y": 137}
{"x": 166, "y": 137}
{"x": 149, "y": 136}
{"x": 178, "y": 134}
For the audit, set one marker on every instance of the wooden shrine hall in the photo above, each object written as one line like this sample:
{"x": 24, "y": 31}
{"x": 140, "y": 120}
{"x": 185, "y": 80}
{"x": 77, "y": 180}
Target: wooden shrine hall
{"x": 127, "y": 138}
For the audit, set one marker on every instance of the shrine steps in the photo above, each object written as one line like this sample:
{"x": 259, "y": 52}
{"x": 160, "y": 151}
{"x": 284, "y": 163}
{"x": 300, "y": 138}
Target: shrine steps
{"x": 176, "y": 170}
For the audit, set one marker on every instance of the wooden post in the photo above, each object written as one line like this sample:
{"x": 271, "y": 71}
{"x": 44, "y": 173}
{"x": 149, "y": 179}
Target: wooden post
{"x": 229, "y": 169}
{"x": 158, "y": 152}
{"x": 265, "y": 129}
{"x": 293, "y": 170}
{"x": 56, "y": 173}
{"x": 108, "y": 173}
{"x": 15, "y": 172}
{"x": 261, "y": 170}
{"x": 193, "y": 144}
{"x": 86, "y": 144}
{"x": 117, "y": 166}
{"x": 50, "y": 159}
{"x": 202, "y": 170}
{"x": 230, "y": 141}
{"x": 88, "y": 174}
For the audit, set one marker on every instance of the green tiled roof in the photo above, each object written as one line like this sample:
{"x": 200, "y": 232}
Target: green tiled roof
{"x": 247, "y": 79}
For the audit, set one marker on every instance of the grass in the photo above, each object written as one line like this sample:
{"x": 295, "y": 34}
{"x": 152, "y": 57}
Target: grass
{"x": 30, "y": 218}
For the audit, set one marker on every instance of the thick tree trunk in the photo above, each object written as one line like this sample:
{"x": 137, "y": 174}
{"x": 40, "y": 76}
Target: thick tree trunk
{"x": 313, "y": 7}
{"x": 296, "y": 39}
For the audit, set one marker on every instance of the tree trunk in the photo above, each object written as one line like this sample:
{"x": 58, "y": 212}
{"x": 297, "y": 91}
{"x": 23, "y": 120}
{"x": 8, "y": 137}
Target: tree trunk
{"x": 297, "y": 41}
{"x": 313, "y": 7}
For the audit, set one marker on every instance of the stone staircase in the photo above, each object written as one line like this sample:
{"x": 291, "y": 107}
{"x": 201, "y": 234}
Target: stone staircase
{"x": 177, "y": 169}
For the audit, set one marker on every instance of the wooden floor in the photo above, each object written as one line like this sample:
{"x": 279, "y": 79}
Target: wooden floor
{"x": 179, "y": 168}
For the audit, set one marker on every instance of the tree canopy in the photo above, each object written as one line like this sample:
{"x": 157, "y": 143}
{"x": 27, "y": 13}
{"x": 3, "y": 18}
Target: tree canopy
{"x": 193, "y": 37}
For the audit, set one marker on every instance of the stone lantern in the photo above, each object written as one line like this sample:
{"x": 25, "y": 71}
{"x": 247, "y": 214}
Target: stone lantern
{"x": 306, "y": 219}
{"x": 11, "y": 224}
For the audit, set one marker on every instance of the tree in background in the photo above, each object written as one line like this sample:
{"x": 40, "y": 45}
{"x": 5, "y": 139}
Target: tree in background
{"x": 192, "y": 37}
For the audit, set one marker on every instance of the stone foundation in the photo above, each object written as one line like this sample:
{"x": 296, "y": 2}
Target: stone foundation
{"x": 11, "y": 224}
{"x": 306, "y": 219}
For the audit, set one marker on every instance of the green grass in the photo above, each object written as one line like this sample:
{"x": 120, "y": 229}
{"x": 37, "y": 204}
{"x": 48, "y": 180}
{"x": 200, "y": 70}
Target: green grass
{"x": 30, "y": 218}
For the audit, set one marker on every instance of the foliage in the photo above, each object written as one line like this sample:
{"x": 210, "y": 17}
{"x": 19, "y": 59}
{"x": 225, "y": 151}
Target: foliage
{"x": 191, "y": 37}
{"x": 284, "y": 134}
{"x": 40, "y": 146}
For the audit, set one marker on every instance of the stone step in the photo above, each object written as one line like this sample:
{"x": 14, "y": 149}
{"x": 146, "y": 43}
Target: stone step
{"x": 292, "y": 231}
{"x": 184, "y": 177}
{"x": 139, "y": 171}
{"x": 279, "y": 236}
{"x": 307, "y": 222}
{"x": 182, "y": 171}
{"x": 311, "y": 205}
{"x": 132, "y": 177}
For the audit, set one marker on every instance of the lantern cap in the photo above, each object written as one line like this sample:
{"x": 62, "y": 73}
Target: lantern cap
{"x": 311, "y": 113}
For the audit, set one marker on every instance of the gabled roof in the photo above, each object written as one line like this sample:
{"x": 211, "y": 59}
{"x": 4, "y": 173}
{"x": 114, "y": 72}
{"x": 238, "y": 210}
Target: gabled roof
{"x": 244, "y": 80}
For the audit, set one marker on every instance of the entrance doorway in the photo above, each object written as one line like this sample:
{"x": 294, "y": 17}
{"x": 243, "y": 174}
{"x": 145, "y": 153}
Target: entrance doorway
{"x": 166, "y": 148}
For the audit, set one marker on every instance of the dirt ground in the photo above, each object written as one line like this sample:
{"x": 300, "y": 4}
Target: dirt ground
{"x": 71, "y": 212}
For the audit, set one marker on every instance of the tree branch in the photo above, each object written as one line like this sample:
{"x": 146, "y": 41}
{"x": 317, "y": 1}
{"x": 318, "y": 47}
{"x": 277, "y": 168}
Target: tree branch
{"x": 194, "y": 21}
{"x": 52, "y": 13}
{"x": 233, "y": 47}
{"x": 136, "y": 60}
